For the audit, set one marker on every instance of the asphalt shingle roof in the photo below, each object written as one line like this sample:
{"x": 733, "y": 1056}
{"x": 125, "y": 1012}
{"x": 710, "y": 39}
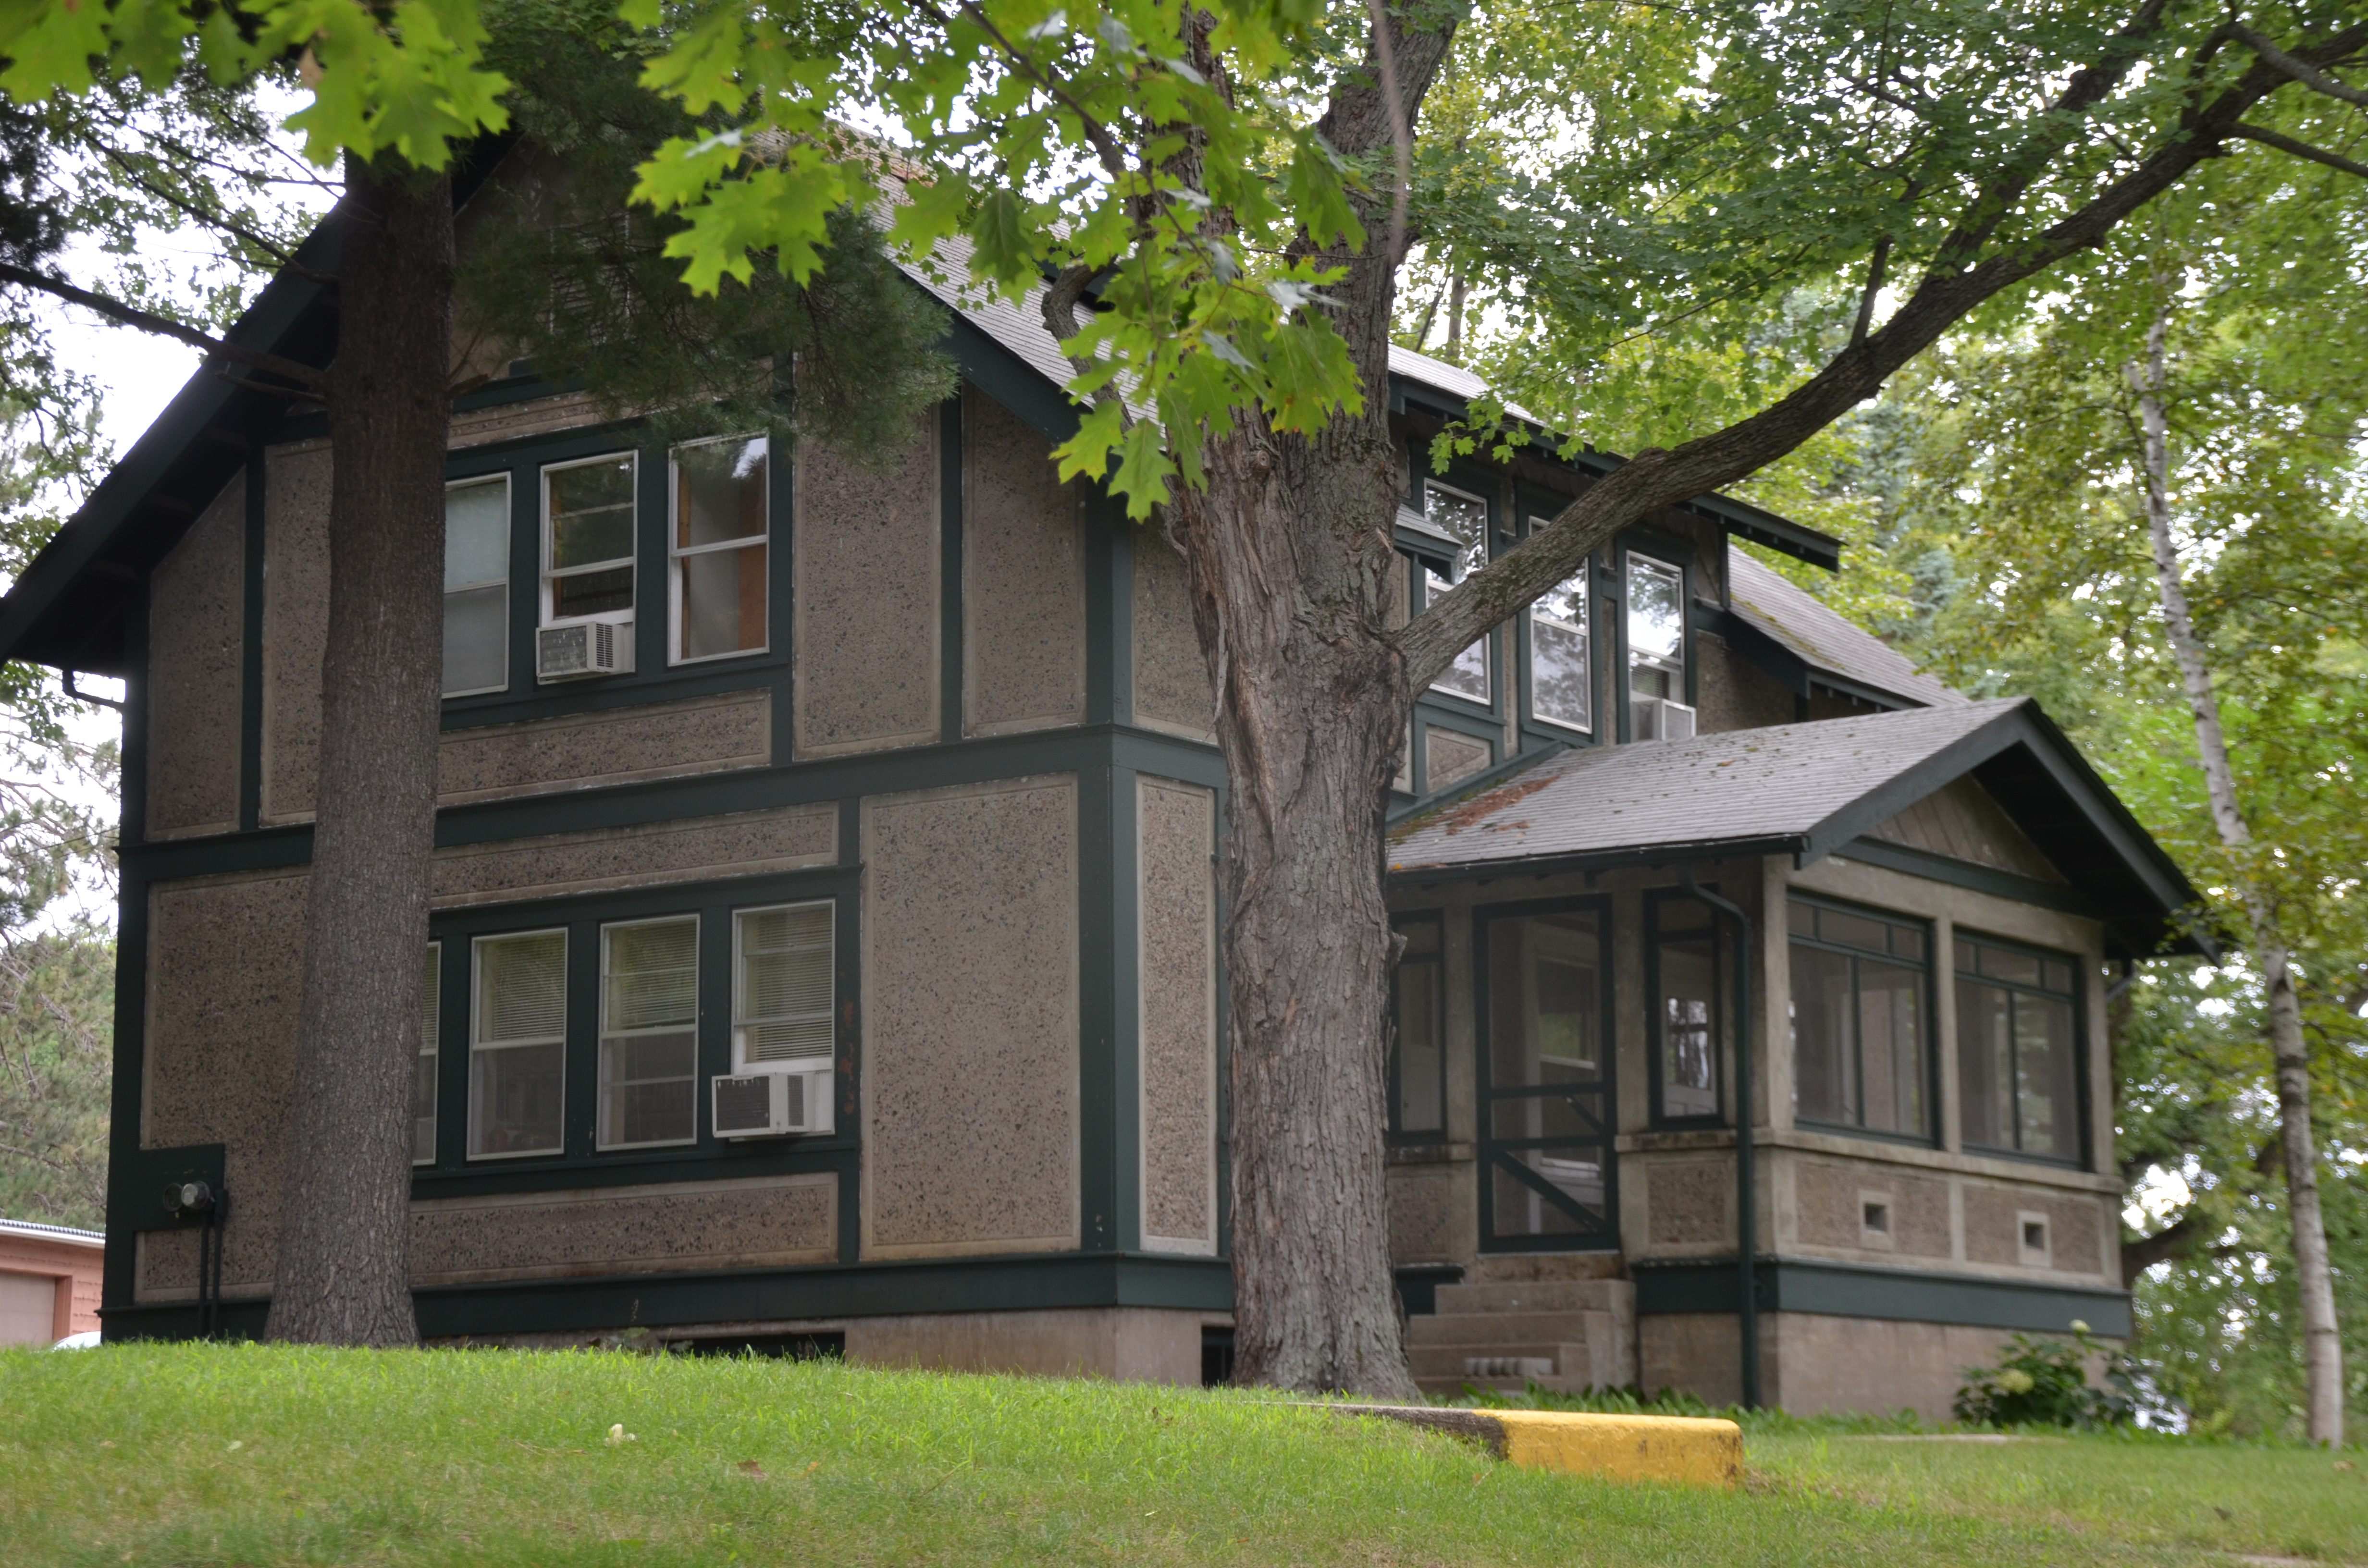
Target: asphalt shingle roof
{"x": 1823, "y": 638}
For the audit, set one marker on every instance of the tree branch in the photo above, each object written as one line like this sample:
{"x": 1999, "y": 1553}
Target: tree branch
{"x": 306, "y": 376}
{"x": 1657, "y": 478}
{"x": 1875, "y": 268}
{"x": 2285, "y": 143}
{"x": 2310, "y": 77}
{"x": 2173, "y": 1239}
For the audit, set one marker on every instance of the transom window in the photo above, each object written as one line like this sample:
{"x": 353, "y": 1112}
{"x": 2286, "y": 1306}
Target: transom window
{"x": 649, "y": 1033}
{"x": 477, "y": 587}
{"x": 2018, "y": 1049}
{"x": 1466, "y": 517}
{"x": 1418, "y": 1055}
{"x": 1657, "y": 652}
{"x": 1862, "y": 1037}
{"x": 587, "y": 539}
{"x": 1562, "y": 676}
{"x": 517, "y": 1045}
{"x": 718, "y": 547}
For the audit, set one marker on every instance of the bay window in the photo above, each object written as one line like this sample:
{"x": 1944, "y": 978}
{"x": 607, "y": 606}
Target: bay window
{"x": 2018, "y": 1049}
{"x": 1862, "y": 1038}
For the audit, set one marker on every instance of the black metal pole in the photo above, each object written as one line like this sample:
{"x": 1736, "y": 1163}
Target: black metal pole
{"x": 1746, "y": 1217}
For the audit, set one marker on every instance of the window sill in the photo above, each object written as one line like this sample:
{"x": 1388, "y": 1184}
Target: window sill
{"x": 1429, "y": 1154}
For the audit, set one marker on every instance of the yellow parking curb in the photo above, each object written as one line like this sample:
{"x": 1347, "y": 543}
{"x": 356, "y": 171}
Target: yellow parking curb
{"x": 1704, "y": 1452}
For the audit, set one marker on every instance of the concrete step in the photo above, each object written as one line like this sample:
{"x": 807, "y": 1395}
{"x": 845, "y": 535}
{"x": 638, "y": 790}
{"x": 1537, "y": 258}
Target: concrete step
{"x": 1496, "y": 1328}
{"x": 1459, "y": 1360}
{"x": 1453, "y": 1386}
{"x": 1539, "y": 1296}
{"x": 1514, "y": 1268}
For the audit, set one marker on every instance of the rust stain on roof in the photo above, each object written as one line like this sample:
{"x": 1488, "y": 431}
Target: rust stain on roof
{"x": 1472, "y": 811}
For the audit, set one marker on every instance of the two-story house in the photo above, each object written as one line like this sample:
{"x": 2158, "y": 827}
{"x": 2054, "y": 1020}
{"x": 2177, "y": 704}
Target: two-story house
{"x": 824, "y": 948}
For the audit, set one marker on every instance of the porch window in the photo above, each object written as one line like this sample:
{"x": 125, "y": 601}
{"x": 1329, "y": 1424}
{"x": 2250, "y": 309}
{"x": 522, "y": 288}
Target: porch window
{"x": 649, "y": 1032}
{"x": 423, "y": 1078}
{"x": 1547, "y": 1117}
{"x": 1466, "y": 516}
{"x": 1862, "y": 1039}
{"x": 1685, "y": 987}
{"x": 718, "y": 547}
{"x": 517, "y": 1045}
{"x": 1657, "y": 652}
{"x": 587, "y": 539}
{"x": 781, "y": 986}
{"x": 477, "y": 587}
{"x": 2018, "y": 1049}
{"x": 1562, "y": 678}
{"x": 1417, "y": 1054}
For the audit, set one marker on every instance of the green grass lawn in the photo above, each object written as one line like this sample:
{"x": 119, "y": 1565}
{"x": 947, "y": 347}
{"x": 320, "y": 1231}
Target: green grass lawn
{"x": 239, "y": 1455}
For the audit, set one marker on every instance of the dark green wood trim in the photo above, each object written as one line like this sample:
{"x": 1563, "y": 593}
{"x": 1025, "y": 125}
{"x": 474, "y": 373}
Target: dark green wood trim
{"x": 653, "y": 608}
{"x": 1854, "y": 1291}
{"x": 953, "y": 688}
{"x": 1022, "y": 1283}
{"x": 1011, "y": 381}
{"x": 1965, "y": 874}
{"x": 1111, "y": 914}
{"x": 1109, "y": 612}
{"x": 250, "y": 652}
{"x": 1649, "y": 855}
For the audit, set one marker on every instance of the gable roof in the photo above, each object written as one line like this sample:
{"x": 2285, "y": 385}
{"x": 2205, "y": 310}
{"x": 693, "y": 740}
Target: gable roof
{"x": 1810, "y": 791}
{"x": 1804, "y": 644}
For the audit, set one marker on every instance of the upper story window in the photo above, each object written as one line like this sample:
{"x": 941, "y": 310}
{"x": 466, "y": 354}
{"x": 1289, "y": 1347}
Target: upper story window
{"x": 1861, "y": 1040}
{"x": 1466, "y": 517}
{"x": 718, "y": 547}
{"x": 517, "y": 1045}
{"x": 1562, "y": 672}
{"x": 781, "y": 987}
{"x": 1418, "y": 1043}
{"x": 2018, "y": 1049}
{"x": 477, "y": 587}
{"x": 1657, "y": 652}
{"x": 422, "y": 1082}
{"x": 588, "y": 540}
{"x": 649, "y": 1032}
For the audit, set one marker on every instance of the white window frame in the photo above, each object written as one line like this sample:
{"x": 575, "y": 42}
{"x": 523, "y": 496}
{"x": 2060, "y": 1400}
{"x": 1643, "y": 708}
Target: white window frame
{"x": 601, "y": 1064}
{"x": 476, "y": 999}
{"x": 546, "y": 599}
{"x": 510, "y": 524}
{"x": 431, "y": 1046}
{"x": 1584, "y": 577}
{"x": 741, "y": 1065}
{"x": 1488, "y": 698}
{"x": 677, "y": 552}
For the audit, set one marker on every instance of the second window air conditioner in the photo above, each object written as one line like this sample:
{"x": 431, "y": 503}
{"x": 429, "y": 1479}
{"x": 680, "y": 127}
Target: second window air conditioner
{"x": 770, "y": 1105}
{"x": 1658, "y": 718}
{"x": 583, "y": 648}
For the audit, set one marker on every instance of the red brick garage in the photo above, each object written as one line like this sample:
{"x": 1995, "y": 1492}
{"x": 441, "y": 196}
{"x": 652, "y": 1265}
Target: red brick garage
{"x": 49, "y": 1281}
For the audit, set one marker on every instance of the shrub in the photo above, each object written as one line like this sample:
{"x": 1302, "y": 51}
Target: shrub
{"x": 2044, "y": 1382}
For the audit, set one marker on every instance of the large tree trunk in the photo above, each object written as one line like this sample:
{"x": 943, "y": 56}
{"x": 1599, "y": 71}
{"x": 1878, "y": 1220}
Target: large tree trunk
{"x": 1293, "y": 573}
{"x": 345, "y": 1230}
{"x": 2322, "y": 1346}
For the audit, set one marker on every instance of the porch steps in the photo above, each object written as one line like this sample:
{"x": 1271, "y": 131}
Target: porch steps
{"x": 1567, "y": 1334}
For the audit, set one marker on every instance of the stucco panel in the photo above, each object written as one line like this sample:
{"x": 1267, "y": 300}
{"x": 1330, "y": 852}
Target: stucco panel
{"x": 1433, "y": 1217}
{"x": 1733, "y": 692}
{"x": 1830, "y": 1201}
{"x": 1177, "y": 975}
{"x": 1993, "y": 1227}
{"x": 197, "y": 617}
{"x": 865, "y": 629}
{"x": 614, "y": 745}
{"x": 695, "y": 850}
{"x": 767, "y": 1222}
{"x": 1451, "y": 756}
{"x": 970, "y": 997}
{"x": 1690, "y": 1202}
{"x": 295, "y": 625}
{"x": 225, "y": 973}
{"x": 1023, "y": 577}
{"x": 1171, "y": 680}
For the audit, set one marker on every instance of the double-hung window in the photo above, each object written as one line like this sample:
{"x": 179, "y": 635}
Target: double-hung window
{"x": 718, "y": 547}
{"x": 477, "y": 585}
{"x": 1686, "y": 1008}
{"x": 1861, "y": 1040}
{"x": 423, "y": 1080}
{"x": 2018, "y": 1049}
{"x": 1466, "y": 518}
{"x": 1418, "y": 1060}
{"x": 1562, "y": 676}
{"x": 781, "y": 987}
{"x": 517, "y": 1045}
{"x": 587, "y": 539}
{"x": 1658, "y": 709}
{"x": 649, "y": 1032}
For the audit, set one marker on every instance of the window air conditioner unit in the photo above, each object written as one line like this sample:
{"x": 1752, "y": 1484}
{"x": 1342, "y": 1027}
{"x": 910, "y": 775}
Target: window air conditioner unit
{"x": 585, "y": 648}
{"x": 770, "y": 1105}
{"x": 1658, "y": 718}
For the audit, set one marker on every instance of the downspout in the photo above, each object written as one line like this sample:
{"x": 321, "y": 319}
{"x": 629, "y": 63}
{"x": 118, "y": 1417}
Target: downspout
{"x": 1746, "y": 1220}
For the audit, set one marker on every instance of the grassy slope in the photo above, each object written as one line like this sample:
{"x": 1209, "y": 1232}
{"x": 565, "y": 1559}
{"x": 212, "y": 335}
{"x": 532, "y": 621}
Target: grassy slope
{"x": 199, "y": 1455}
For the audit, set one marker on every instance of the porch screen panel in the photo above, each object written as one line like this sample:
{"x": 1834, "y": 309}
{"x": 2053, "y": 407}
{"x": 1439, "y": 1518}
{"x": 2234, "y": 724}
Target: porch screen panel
{"x": 649, "y": 1033}
{"x": 1686, "y": 1012}
{"x": 1547, "y": 1124}
{"x": 1861, "y": 1029}
{"x": 2018, "y": 1050}
{"x": 719, "y": 548}
{"x": 1417, "y": 1070}
{"x": 518, "y": 1046}
{"x": 422, "y": 1082}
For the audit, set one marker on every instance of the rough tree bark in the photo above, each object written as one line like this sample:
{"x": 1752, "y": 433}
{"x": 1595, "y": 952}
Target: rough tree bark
{"x": 343, "y": 1266}
{"x": 2322, "y": 1346}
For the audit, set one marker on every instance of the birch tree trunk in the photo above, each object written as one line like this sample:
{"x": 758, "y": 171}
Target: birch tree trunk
{"x": 2322, "y": 1348}
{"x": 343, "y": 1275}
